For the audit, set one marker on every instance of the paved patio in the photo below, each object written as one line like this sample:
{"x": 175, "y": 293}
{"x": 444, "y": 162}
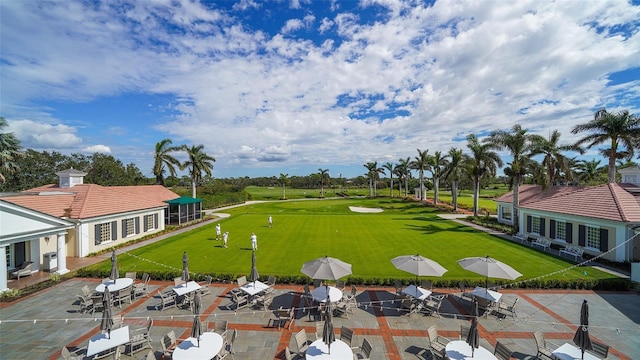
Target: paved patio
{"x": 41, "y": 324}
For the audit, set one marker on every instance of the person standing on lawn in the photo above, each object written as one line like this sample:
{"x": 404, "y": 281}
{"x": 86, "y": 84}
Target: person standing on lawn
{"x": 225, "y": 237}
{"x": 270, "y": 221}
{"x": 218, "y": 231}
{"x": 254, "y": 241}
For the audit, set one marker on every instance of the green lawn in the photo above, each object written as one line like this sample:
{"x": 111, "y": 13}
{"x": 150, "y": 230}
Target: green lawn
{"x": 305, "y": 230}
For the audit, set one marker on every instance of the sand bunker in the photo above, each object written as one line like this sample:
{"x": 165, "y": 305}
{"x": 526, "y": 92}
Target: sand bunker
{"x": 365, "y": 210}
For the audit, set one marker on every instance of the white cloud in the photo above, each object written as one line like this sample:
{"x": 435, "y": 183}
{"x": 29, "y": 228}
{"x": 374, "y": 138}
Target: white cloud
{"x": 40, "y": 135}
{"x": 255, "y": 99}
{"x": 97, "y": 149}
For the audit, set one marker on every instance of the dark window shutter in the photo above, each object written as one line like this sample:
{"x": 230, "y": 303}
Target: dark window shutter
{"x": 542, "y": 227}
{"x": 581, "y": 235}
{"x": 604, "y": 240}
{"x": 145, "y": 220}
{"x": 124, "y": 228}
{"x": 569, "y": 232}
{"x": 155, "y": 221}
{"x": 114, "y": 230}
{"x": 529, "y": 222}
{"x": 552, "y": 229}
{"x": 138, "y": 225}
{"x": 97, "y": 239}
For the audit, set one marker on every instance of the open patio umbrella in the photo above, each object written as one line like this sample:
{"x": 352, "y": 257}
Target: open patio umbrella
{"x": 185, "y": 267}
{"x": 328, "y": 335}
{"x": 114, "y": 266}
{"x": 326, "y": 268}
{"x": 581, "y": 338}
{"x": 254, "y": 275}
{"x": 196, "y": 328}
{"x": 107, "y": 317}
{"x": 489, "y": 268}
{"x": 473, "y": 338}
{"x": 418, "y": 265}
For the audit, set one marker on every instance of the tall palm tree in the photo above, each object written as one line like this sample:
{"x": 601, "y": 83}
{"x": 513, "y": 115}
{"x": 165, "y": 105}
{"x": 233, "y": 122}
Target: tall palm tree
{"x": 483, "y": 162}
{"x": 520, "y": 143}
{"x": 9, "y": 151}
{"x": 400, "y": 176}
{"x": 164, "y": 158}
{"x": 389, "y": 166}
{"x": 324, "y": 175}
{"x": 421, "y": 163}
{"x": 553, "y": 157}
{"x": 198, "y": 163}
{"x": 438, "y": 163}
{"x": 454, "y": 171}
{"x": 284, "y": 180}
{"x": 621, "y": 129}
{"x": 404, "y": 166}
{"x": 371, "y": 166}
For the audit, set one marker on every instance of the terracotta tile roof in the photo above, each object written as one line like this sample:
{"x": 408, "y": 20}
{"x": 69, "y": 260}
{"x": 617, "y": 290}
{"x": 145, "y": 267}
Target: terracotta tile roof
{"x": 609, "y": 201}
{"x": 90, "y": 200}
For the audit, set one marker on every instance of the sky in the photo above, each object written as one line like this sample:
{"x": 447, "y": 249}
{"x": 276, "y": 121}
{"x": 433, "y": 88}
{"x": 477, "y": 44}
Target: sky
{"x": 271, "y": 87}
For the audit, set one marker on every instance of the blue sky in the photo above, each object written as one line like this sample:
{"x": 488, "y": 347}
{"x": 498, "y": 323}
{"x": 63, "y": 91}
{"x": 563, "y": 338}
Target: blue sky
{"x": 272, "y": 87}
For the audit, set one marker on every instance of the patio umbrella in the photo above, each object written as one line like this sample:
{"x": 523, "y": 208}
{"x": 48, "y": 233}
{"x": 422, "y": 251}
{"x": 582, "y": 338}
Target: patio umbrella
{"x": 489, "y": 268}
{"x": 473, "y": 338}
{"x": 418, "y": 265}
{"x": 114, "y": 266}
{"x": 253, "y": 276}
{"x": 107, "y": 318}
{"x": 328, "y": 335}
{"x": 196, "y": 328}
{"x": 326, "y": 268}
{"x": 582, "y": 334}
{"x": 185, "y": 267}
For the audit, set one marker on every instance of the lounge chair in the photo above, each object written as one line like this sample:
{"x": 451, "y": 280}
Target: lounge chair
{"x": 25, "y": 269}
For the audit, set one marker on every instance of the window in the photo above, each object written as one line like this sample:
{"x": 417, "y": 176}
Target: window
{"x": 103, "y": 233}
{"x": 593, "y": 237}
{"x": 535, "y": 225}
{"x": 506, "y": 212}
{"x": 149, "y": 222}
{"x": 129, "y": 227}
{"x": 561, "y": 230}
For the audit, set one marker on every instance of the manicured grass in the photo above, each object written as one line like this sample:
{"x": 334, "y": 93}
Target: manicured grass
{"x": 275, "y": 192}
{"x": 305, "y": 230}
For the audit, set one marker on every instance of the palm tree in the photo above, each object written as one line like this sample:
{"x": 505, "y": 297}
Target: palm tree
{"x": 553, "y": 157}
{"x": 163, "y": 158}
{"x": 9, "y": 152}
{"x": 372, "y": 173}
{"x": 324, "y": 174}
{"x": 621, "y": 129}
{"x": 284, "y": 180}
{"x": 454, "y": 171}
{"x": 589, "y": 171}
{"x": 483, "y": 162}
{"x": 389, "y": 166}
{"x": 421, "y": 163}
{"x": 404, "y": 166}
{"x": 437, "y": 164}
{"x": 198, "y": 162}
{"x": 520, "y": 144}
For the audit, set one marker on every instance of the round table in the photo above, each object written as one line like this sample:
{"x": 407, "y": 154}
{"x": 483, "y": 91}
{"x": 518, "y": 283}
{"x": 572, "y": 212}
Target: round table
{"x": 460, "y": 350}
{"x": 320, "y": 294}
{"x": 319, "y": 350}
{"x": 119, "y": 284}
{"x": 210, "y": 346}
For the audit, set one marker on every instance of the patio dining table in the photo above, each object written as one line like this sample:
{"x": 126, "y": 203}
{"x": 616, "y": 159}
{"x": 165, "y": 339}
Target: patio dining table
{"x": 186, "y": 288}
{"x": 189, "y": 349}
{"x": 254, "y": 287}
{"x": 571, "y": 352}
{"x": 339, "y": 350}
{"x": 486, "y": 294}
{"x": 104, "y": 342}
{"x": 460, "y": 350}
{"x": 319, "y": 294}
{"x": 117, "y": 285}
{"x": 416, "y": 292}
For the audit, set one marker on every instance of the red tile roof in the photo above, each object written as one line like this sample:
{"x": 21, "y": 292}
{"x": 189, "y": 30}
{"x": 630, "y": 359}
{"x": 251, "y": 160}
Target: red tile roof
{"x": 90, "y": 200}
{"x": 609, "y": 201}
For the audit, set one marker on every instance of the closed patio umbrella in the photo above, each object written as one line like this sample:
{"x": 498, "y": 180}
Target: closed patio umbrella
{"x": 185, "y": 267}
{"x": 114, "y": 266}
{"x": 254, "y": 275}
{"x": 581, "y": 337}
{"x": 328, "y": 335}
{"x": 107, "y": 317}
{"x": 473, "y": 338}
{"x": 489, "y": 267}
{"x": 196, "y": 328}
